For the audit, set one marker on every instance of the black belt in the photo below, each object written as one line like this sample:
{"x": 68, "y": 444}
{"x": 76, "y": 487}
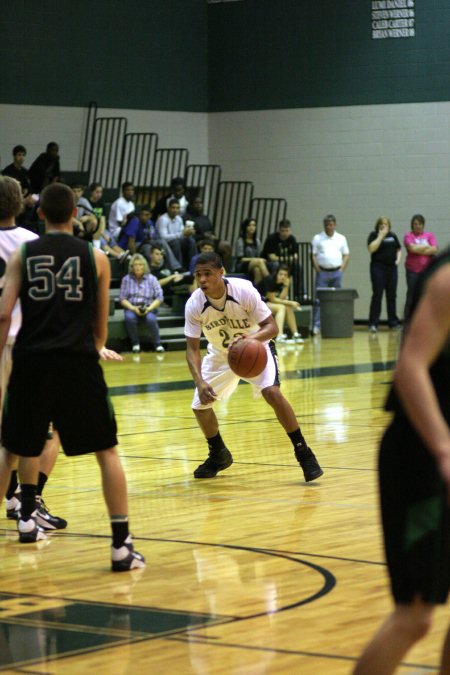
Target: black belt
{"x": 329, "y": 269}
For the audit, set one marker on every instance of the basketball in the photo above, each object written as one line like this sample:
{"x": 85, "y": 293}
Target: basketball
{"x": 247, "y": 358}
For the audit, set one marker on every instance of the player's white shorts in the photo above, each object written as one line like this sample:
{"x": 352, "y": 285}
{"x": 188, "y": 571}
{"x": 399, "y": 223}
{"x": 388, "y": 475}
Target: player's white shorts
{"x": 217, "y": 373}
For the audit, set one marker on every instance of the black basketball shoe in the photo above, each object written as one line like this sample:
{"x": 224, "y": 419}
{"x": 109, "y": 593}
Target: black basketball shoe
{"x": 309, "y": 463}
{"x": 217, "y": 460}
{"x": 45, "y": 519}
{"x": 29, "y": 530}
{"x": 13, "y": 506}
{"x": 126, "y": 558}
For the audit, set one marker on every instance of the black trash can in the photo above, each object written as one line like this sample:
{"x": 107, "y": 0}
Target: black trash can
{"x": 337, "y": 310}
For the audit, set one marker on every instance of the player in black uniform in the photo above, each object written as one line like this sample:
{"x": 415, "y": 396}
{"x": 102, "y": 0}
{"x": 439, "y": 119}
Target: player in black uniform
{"x": 414, "y": 466}
{"x": 11, "y": 237}
{"x": 63, "y": 285}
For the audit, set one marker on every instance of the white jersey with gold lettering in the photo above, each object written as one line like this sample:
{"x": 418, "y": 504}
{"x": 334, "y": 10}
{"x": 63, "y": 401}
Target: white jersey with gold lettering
{"x": 241, "y": 314}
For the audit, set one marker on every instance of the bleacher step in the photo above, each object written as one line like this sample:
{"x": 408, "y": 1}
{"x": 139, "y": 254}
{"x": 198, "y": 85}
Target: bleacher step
{"x": 171, "y": 330}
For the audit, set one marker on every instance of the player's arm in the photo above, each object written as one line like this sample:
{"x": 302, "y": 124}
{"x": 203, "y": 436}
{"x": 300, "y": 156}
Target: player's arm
{"x": 193, "y": 357}
{"x": 11, "y": 289}
{"x": 268, "y": 329}
{"x": 428, "y": 332}
{"x": 101, "y": 324}
{"x": 103, "y": 280}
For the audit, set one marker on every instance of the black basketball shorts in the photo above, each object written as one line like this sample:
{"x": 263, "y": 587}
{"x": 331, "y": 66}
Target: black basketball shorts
{"x": 69, "y": 391}
{"x": 415, "y": 516}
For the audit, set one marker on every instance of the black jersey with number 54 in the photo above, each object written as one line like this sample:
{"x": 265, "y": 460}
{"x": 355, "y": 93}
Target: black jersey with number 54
{"x": 58, "y": 296}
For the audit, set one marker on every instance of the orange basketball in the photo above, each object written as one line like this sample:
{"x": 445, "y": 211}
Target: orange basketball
{"x": 247, "y": 358}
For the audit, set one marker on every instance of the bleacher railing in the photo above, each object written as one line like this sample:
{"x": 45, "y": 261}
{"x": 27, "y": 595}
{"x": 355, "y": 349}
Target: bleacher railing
{"x": 203, "y": 180}
{"x": 232, "y": 206}
{"x": 138, "y": 157}
{"x": 106, "y": 150}
{"x": 299, "y": 262}
{"x": 169, "y": 163}
{"x": 305, "y": 258}
{"x": 91, "y": 116}
{"x": 267, "y": 211}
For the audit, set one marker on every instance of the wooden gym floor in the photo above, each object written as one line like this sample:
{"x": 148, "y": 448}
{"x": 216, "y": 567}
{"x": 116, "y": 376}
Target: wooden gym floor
{"x": 251, "y": 572}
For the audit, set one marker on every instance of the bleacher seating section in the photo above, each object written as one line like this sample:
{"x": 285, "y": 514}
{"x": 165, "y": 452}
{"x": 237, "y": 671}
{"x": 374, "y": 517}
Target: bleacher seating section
{"x": 112, "y": 155}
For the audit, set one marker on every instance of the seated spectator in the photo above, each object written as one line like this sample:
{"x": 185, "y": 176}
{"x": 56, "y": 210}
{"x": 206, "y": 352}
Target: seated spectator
{"x": 162, "y": 270}
{"x": 85, "y": 222}
{"x": 140, "y": 233}
{"x": 179, "y": 237}
{"x": 275, "y": 291}
{"x": 282, "y": 247}
{"x": 204, "y": 246}
{"x": 89, "y": 223}
{"x": 19, "y": 172}
{"x": 153, "y": 239}
{"x": 178, "y": 189}
{"x": 168, "y": 278}
{"x": 135, "y": 231}
{"x": 94, "y": 202}
{"x": 248, "y": 252}
{"x": 109, "y": 245}
{"x": 204, "y": 229}
{"x": 122, "y": 210}
{"x": 142, "y": 230}
{"x": 106, "y": 241}
{"x": 45, "y": 168}
{"x": 140, "y": 296}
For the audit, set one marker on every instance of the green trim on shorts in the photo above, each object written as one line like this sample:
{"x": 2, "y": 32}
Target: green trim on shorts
{"x": 110, "y": 406}
{"x": 423, "y": 518}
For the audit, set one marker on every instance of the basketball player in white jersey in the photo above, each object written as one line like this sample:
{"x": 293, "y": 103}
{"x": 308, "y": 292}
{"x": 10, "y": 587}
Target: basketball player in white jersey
{"x": 227, "y": 310}
{"x": 11, "y": 237}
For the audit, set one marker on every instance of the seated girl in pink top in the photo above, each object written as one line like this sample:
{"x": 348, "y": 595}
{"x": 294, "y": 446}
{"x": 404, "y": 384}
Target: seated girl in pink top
{"x": 421, "y": 246}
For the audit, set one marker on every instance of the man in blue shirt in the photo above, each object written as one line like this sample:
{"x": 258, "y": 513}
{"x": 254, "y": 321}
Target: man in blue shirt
{"x": 140, "y": 233}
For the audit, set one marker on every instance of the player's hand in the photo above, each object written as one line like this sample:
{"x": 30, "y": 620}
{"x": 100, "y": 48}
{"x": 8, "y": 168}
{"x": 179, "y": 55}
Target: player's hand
{"x": 110, "y": 355}
{"x": 206, "y": 393}
{"x": 236, "y": 338}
